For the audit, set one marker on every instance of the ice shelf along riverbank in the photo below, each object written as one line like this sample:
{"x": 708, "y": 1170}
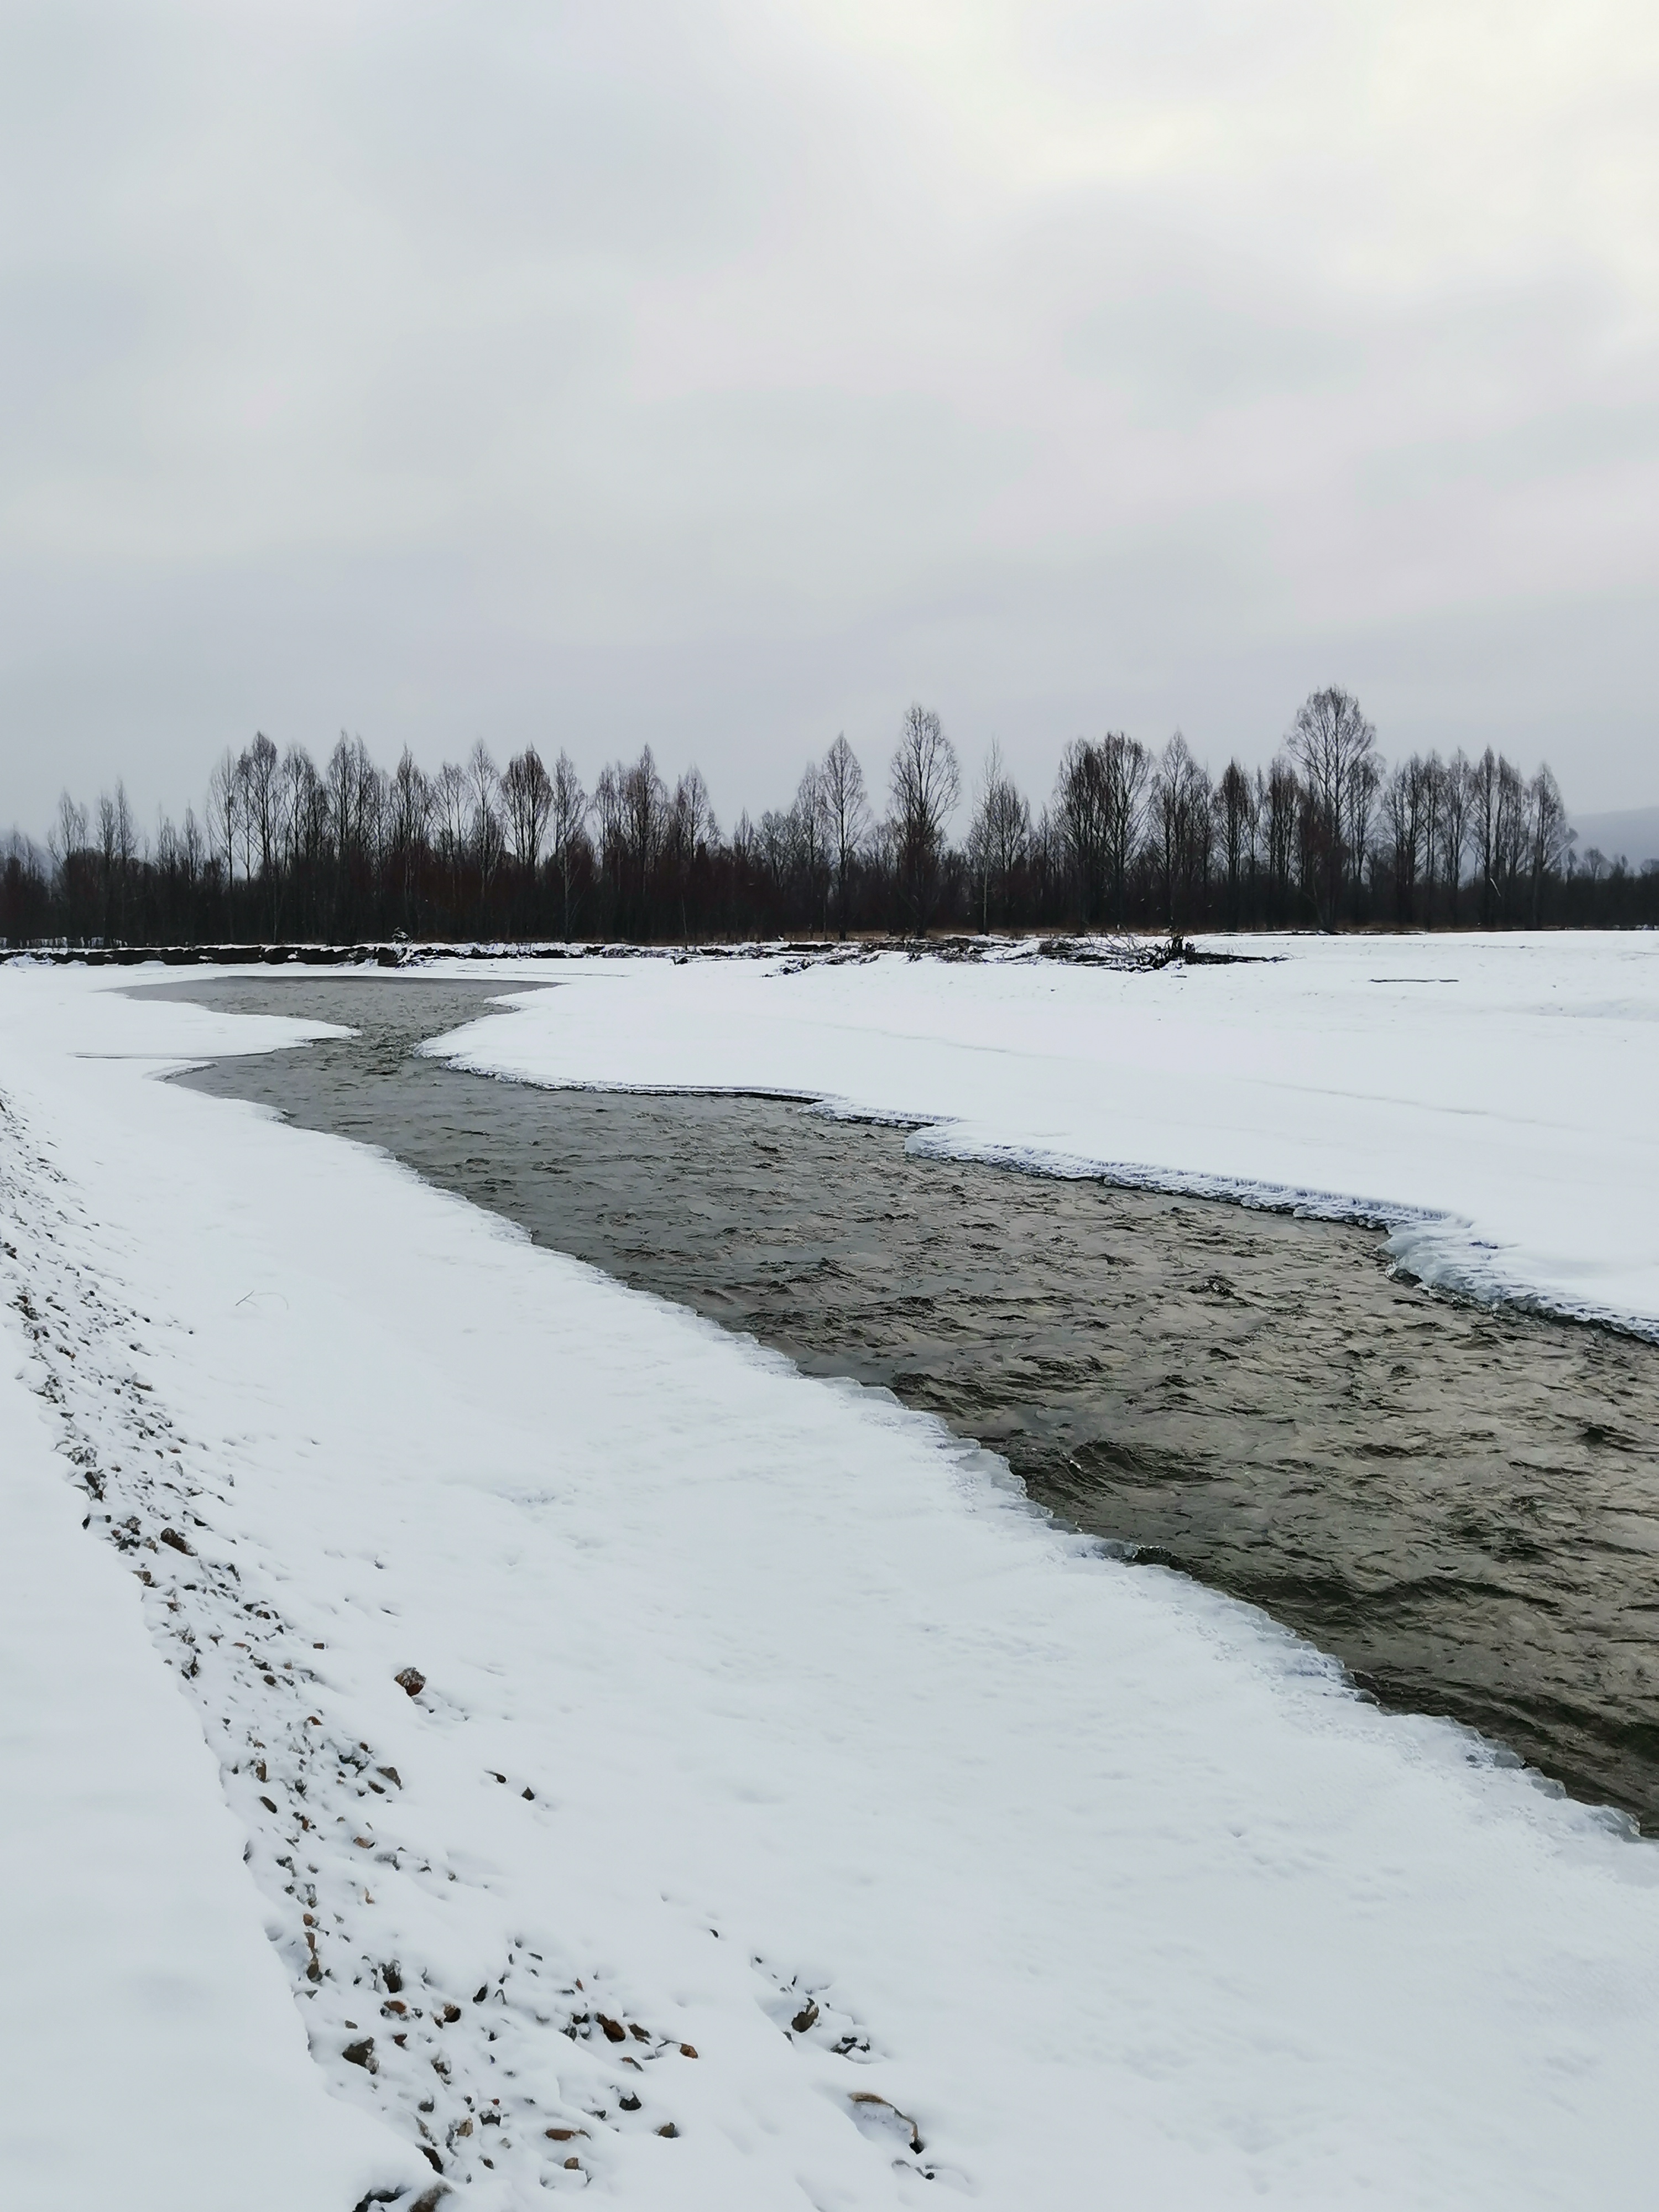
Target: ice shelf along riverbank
{"x": 750, "y": 1717}
{"x": 1489, "y": 1097}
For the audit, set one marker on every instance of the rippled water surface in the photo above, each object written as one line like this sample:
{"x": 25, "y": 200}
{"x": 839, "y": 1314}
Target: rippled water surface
{"x": 1461, "y": 1505}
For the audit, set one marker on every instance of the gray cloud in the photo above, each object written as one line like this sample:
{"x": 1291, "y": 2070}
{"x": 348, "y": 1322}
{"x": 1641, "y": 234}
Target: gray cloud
{"x": 727, "y": 376}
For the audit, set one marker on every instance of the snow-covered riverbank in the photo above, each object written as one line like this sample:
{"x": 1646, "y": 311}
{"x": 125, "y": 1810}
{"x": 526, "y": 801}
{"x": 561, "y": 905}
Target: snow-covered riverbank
{"x": 757, "y": 1721}
{"x": 1491, "y": 1098}
{"x": 151, "y": 2053}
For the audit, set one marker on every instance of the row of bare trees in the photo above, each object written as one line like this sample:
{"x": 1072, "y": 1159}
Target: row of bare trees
{"x": 1325, "y": 837}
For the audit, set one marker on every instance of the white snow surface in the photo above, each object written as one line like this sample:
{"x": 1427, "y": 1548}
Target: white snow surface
{"x": 151, "y": 2055}
{"x": 1491, "y": 1098}
{"x": 744, "y": 1694}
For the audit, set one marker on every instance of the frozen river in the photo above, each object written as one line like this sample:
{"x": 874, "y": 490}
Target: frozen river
{"x": 1458, "y": 1503}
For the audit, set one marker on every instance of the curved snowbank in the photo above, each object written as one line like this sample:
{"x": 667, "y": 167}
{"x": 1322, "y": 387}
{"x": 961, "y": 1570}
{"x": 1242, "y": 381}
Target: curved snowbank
{"x": 1489, "y": 1099}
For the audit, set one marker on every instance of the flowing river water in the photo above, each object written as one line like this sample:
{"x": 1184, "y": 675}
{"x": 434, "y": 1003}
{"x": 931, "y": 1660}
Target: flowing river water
{"x": 1461, "y": 1504}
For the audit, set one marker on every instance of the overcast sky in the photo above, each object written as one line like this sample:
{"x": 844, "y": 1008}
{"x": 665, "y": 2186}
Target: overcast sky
{"x": 726, "y": 375}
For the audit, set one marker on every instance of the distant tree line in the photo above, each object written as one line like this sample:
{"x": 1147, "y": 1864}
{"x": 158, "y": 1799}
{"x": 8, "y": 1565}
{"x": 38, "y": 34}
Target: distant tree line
{"x": 1327, "y": 837}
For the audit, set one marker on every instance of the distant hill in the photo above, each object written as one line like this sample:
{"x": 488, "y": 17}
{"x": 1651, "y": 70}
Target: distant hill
{"x": 1635, "y": 832}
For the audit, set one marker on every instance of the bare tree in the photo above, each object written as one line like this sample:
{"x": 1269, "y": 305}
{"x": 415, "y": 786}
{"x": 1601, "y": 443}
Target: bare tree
{"x": 1181, "y": 830}
{"x": 1099, "y": 797}
{"x": 926, "y": 783}
{"x": 224, "y": 813}
{"x": 261, "y": 786}
{"x": 1433, "y": 793}
{"x": 527, "y": 793}
{"x": 1405, "y": 808}
{"x": 1235, "y": 826}
{"x": 809, "y": 818}
{"x": 608, "y": 808}
{"x": 192, "y": 848}
{"x": 354, "y": 798}
{"x": 67, "y": 844}
{"x": 693, "y": 814}
{"x": 774, "y": 853}
{"x": 484, "y": 825}
{"x": 107, "y": 865}
{"x": 1514, "y": 839}
{"x": 631, "y": 803}
{"x": 847, "y": 815}
{"x": 1127, "y": 765}
{"x": 68, "y": 833}
{"x": 1489, "y": 797}
{"x": 1081, "y": 814}
{"x": 1454, "y": 789}
{"x": 126, "y": 829}
{"x": 1097, "y": 814}
{"x": 118, "y": 848}
{"x": 409, "y": 818}
{"x": 998, "y": 840}
{"x": 689, "y": 830}
{"x": 340, "y": 789}
{"x": 1552, "y": 840}
{"x": 1333, "y": 742}
{"x": 450, "y": 811}
{"x": 566, "y": 820}
{"x": 25, "y": 890}
{"x": 1359, "y": 816}
{"x": 304, "y": 822}
{"x": 645, "y": 829}
{"x": 1281, "y": 799}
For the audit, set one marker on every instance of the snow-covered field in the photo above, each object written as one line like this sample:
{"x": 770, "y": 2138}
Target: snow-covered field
{"x": 758, "y": 1721}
